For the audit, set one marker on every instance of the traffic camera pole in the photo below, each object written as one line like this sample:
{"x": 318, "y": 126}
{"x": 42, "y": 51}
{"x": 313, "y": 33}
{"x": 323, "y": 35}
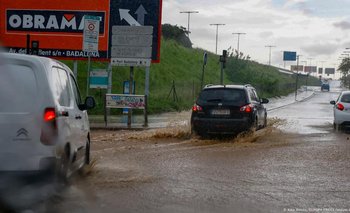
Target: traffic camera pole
{"x": 205, "y": 58}
{"x": 222, "y": 61}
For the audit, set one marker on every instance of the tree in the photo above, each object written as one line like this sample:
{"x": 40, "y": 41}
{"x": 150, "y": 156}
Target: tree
{"x": 344, "y": 67}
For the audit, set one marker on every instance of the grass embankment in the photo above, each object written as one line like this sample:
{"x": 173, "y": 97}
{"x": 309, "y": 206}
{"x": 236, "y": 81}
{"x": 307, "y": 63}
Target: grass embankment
{"x": 184, "y": 67}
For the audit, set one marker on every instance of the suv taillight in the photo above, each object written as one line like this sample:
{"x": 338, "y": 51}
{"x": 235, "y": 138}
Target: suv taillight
{"x": 197, "y": 108}
{"x": 247, "y": 108}
{"x": 49, "y": 127}
{"x": 340, "y": 106}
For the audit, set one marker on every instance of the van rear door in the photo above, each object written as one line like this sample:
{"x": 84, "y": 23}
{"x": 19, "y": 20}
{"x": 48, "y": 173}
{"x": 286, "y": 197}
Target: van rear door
{"x": 20, "y": 124}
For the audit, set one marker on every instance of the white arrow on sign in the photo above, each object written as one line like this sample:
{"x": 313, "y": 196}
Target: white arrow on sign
{"x": 124, "y": 14}
{"x": 141, "y": 12}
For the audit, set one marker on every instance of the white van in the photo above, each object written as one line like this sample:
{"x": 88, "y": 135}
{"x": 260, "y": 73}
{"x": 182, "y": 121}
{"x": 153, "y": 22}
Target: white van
{"x": 43, "y": 122}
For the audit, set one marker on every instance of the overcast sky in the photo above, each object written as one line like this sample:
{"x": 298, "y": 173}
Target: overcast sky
{"x": 317, "y": 29}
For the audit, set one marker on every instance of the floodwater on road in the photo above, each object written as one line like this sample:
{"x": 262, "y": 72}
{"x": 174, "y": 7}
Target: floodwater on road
{"x": 296, "y": 164}
{"x": 168, "y": 170}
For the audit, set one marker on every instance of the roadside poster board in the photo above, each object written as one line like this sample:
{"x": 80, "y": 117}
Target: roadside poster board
{"x": 125, "y": 101}
{"x": 99, "y": 79}
{"x": 320, "y": 70}
{"x": 310, "y": 69}
{"x": 330, "y": 71}
{"x": 56, "y": 25}
{"x": 295, "y": 68}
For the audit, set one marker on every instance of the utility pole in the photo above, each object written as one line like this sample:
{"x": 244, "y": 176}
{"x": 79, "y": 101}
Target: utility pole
{"x": 297, "y": 78}
{"x": 217, "y": 32}
{"x": 238, "y": 35}
{"x": 310, "y": 65}
{"x": 270, "y": 46}
{"x": 188, "y": 20}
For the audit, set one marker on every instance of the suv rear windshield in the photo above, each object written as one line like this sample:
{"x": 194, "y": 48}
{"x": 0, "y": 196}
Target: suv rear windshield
{"x": 224, "y": 95}
{"x": 345, "y": 98}
{"x": 18, "y": 88}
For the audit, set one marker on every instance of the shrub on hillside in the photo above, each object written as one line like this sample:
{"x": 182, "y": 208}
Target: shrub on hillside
{"x": 179, "y": 34}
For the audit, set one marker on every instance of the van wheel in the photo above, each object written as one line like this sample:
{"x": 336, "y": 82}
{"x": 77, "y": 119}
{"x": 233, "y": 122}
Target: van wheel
{"x": 63, "y": 166}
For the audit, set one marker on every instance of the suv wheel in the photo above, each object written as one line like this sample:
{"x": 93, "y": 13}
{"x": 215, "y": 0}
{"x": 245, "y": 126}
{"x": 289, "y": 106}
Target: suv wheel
{"x": 336, "y": 127}
{"x": 87, "y": 152}
{"x": 255, "y": 125}
{"x": 265, "y": 121}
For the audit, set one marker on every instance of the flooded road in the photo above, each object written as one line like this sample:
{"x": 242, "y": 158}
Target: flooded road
{"x": 296, "y": 164}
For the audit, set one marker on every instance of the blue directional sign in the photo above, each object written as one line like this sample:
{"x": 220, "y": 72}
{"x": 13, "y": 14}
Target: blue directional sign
{"x": 138, "y": 13}
{"x": 289, "y": 56}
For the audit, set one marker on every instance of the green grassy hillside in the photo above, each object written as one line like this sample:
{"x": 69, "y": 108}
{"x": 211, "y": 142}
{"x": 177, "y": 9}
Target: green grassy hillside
{"x": 183, "y": 66}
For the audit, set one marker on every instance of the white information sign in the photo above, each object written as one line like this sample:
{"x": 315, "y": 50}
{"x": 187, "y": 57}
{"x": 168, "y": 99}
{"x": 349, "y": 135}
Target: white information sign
{"x": 91, "y": 33}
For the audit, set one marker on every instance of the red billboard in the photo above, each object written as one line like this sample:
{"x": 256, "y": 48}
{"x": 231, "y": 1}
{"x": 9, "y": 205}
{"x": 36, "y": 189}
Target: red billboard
{"x": 56, "y": 25}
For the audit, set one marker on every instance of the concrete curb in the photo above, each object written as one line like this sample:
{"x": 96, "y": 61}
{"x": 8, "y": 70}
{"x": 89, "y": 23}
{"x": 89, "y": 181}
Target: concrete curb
{"x": 297, "y": 101}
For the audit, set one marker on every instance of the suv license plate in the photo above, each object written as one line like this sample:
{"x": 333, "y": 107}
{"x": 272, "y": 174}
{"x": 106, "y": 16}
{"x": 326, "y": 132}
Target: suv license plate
{"x": 220, "y": 112}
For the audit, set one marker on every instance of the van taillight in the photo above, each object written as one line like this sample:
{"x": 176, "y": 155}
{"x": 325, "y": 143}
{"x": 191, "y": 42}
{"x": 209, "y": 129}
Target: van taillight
{"x": 247, "y": 108}
{"x": 49, "y": 127}
{"x": 49, "y": 114}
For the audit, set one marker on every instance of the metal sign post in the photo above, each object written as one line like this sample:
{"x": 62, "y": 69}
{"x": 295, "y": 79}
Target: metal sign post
{"x": 130, "y": 92}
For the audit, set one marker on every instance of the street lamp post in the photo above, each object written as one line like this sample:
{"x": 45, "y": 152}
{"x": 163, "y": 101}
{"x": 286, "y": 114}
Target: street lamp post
{"x": 270, "y": 46}
{"x": 217, "y": 32}
{"x": 188, "y": 19}
{"x": 238, "y": 35}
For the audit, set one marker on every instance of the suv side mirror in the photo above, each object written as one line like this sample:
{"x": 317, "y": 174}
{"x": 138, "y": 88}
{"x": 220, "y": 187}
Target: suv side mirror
{"x": 332, "y": 102}
{"x": 264, "y": 101}
{"x": 88, "y": 104}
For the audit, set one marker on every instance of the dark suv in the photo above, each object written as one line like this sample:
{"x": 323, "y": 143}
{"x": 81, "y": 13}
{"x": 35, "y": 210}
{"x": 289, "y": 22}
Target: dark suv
{"x": 325, "y": 86}
{"x": 228, "y": 109}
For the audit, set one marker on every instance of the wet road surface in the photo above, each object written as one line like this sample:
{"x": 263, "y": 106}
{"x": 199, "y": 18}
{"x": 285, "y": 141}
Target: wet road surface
{"x": 298, "y": 163}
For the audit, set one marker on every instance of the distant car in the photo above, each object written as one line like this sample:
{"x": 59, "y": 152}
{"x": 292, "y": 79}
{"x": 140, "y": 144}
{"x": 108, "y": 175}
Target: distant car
{"x": 228, "y": 109}
{"x": 43, "y": 122}
{"x": 341, "y": 111}
{"x": 325, "y": 87}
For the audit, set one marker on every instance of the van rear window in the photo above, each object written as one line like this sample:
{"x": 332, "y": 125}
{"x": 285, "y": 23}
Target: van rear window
{"x": 18, "y": 88}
